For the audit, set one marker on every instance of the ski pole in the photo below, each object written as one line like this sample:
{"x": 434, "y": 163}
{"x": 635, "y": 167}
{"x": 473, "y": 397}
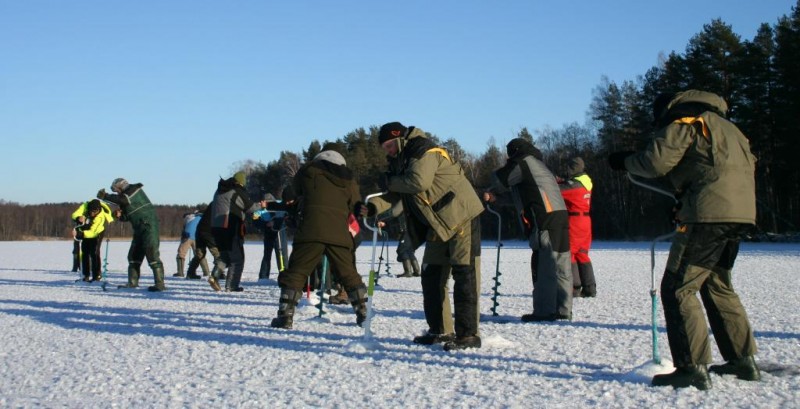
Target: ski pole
{"x": 653, "y": 291}
{"x": 497, "y": 273}
{"x": 371, "y": 285}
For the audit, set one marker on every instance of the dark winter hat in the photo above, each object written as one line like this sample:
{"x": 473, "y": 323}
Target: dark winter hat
{"x": 268, "y": 197}
{"x": 392, "y": 130}
{"x": 575, "y": 166}
{"x": 519, "y": 148}
{"x": 94, "y": 206}
{"x": 660, "y": 105}
{"x": 288, "y": 194}
{"x": 240, "y": 178}
{"x": 119, "y": 183}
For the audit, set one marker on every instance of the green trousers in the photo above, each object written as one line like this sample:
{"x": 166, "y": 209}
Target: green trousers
{"x": 700, "y": 261}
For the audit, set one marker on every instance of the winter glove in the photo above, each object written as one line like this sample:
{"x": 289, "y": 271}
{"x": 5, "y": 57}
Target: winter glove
{"x": 617, "y": 159}
{"x": 101, "y": 194}
{"x": 364, "y": 210}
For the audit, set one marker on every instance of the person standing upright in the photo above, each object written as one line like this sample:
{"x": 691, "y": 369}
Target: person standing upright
{"x": 327, "y": 194}
{"x": 707, "y": 162}
{"x": 577, "y": 194}
{"x": 543, "y": 214}
{"x": 270, "y": 225}
{"x": 441, "y": 210}
{"x": 135, "y": 207}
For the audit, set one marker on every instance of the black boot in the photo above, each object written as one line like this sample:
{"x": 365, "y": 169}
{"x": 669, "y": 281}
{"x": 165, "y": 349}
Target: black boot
{"x": 358, "y": 299}
{"x": 744, "y": 368}
{"x": 286, "y": 305}
{"x": 234, "y": 278}
{"x": 472, "y": 341}
{"x": 431, "y": 338}
{"x": 684, "y": 377}
{"x": 586, "y": 272}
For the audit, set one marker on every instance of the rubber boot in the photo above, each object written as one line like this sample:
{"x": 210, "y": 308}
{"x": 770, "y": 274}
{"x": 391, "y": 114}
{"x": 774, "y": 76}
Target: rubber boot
{"x": 586, "y": 273}
{"x": 133, "y": 276}
{"x": 212, "y": 279}
{"x": 286, "y": 305}
{"x": 408, "y": 269}
{"x": 158, "y": 276}
{"x": 358, "y": 299}
{"x": 234, "y": 278}
{"x": 415, "y": 267}
{"x": 204, "y": 266}
{"x": 180, "y": 262}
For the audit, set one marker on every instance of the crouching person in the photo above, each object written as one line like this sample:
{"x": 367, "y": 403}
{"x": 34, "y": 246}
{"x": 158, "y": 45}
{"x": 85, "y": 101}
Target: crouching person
{"x": 327, "y": 193}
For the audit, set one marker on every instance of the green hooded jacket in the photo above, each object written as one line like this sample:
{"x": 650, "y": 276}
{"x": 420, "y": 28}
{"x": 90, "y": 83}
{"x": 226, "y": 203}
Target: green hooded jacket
{"x": 705, "y": 158}
{"x": 327, "y": 194}
{"x": 433, "y": 189}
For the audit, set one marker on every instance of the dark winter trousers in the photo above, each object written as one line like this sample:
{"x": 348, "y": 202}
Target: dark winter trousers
{"x": 306, "y": 256}
{"x": 461, "y": 254}
{"x": 90, "y": 263}
{"x": 76, "y": 255}
{"x": 700, "y": 260}
{"x": 145, "y": 244}
{"x": 205, "y": 245}
{"x": 270, "y": 245}
{"x": 231, "y": 252}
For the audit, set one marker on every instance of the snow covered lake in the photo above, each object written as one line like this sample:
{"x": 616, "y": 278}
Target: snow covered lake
{"x": 74, "y": 345}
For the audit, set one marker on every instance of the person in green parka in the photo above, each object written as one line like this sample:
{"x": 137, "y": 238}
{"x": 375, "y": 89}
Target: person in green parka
{"x": 327, "y": 194}
{"x": 706, "y": 160}
{"x": 135, "y": 207}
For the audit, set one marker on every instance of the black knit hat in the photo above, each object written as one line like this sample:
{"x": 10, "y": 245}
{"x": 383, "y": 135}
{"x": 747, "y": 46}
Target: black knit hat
{"x": 288, "y": 194}
{"x": 392, "y": 130}
{"x": 94, "y": 206}
{"x": 575, "y": 166}
{"x": 660, "y": 105}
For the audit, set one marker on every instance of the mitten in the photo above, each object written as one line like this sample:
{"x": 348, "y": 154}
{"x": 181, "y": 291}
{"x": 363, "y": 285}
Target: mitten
{"x": 617, "y": 159}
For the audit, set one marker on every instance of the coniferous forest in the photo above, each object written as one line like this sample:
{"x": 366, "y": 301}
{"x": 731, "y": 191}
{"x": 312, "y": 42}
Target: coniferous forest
{"x": 758, "y": 77}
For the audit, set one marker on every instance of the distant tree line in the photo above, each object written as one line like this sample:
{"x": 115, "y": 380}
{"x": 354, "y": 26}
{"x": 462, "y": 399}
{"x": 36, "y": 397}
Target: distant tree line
{"x": 52, "y": 220}
{"x": 759, "y": 79}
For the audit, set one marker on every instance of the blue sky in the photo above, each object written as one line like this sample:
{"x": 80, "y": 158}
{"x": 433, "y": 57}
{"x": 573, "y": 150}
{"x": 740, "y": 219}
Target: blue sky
{"x": 173, "y": 94}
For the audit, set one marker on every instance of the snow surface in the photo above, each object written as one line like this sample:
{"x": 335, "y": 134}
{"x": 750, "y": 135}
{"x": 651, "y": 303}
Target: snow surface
{"x": 68, "y": 344}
